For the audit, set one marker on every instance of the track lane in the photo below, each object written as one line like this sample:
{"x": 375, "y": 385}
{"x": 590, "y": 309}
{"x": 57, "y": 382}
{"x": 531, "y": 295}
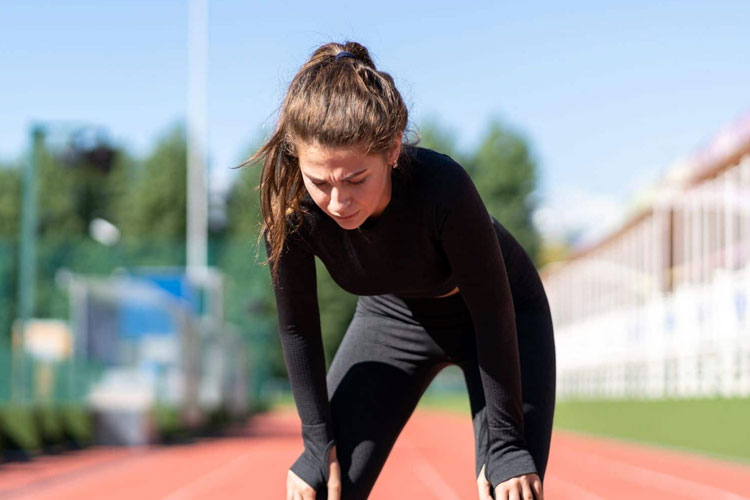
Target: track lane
{"x": 433, "y": 458}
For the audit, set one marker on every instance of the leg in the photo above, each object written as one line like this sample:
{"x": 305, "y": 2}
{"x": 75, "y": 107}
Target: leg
{"x": 538, "y": 373}
{"x": 381, "y": 369}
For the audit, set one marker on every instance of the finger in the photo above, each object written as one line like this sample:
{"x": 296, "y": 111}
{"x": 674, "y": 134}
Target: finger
{"x": 289, "y": 488}
{"x": 514, "y": 493}
{"x": 334, "y": 485}
{"x": 484, "y": 489}
{"x": 334, "y": 481}
{"x": 526, "y": 492}
{"x": 334, "y": 492}
{"x": 536, "y": 485}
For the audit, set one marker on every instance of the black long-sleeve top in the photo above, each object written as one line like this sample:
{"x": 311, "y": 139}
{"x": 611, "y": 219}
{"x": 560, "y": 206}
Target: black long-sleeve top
{"x": 435, "y": 234}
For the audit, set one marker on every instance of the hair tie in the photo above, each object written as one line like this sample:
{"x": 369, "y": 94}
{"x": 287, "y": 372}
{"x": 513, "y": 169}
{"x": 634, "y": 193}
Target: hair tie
{"x": 345, "y": 53}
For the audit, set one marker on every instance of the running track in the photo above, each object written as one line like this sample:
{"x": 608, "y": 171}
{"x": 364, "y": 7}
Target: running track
{"x": 433, "y": 458}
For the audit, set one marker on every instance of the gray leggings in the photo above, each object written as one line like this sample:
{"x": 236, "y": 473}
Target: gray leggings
{"x": 393, "y": 349}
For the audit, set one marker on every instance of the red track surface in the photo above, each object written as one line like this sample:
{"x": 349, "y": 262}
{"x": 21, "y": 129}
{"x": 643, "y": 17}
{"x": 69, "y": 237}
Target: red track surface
{"x": 433, "y": 458}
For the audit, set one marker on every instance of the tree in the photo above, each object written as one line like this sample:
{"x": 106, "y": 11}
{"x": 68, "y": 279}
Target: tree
{"x": 434, "y": 135}
{"x": 155, "y": 203}
{"x": 10, "y": 203}
{"x": 505, "y": 174}
{"x": 10, "y": 200}
{"x": 243, "y": 200}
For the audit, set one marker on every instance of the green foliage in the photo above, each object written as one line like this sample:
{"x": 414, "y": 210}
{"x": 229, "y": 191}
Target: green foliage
{"x": 48, "y": 421}
{"x": 78, "y": 424}
{"x": 146, "y": 199}
{"x": 436, "y": 136}
{"x": 167, "y": 424}
{"x": 17, "y": 428}
{"x": 58, "y": 211}
{"x": 156, "y": 199}
{"x": 8, "y": 286}
{"x": 10, "y": 200}
{"x": 505, "y": 174}
{"x": 243, "y": 201}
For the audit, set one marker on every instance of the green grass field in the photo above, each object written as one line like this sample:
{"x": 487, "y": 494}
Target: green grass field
{"x": 718, "y": 427}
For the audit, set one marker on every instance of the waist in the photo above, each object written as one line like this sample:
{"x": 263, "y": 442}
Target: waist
{"x": 428, "y": 311}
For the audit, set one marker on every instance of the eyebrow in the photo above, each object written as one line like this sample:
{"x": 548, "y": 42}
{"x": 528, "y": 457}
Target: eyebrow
{"x": 355, "y": 174}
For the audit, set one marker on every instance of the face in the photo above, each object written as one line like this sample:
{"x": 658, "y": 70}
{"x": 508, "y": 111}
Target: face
{"x": 346, "y": 184}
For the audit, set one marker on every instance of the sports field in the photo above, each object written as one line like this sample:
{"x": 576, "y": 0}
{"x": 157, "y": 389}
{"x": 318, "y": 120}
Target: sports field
{"x": 433, "y": 458}
{"x": 713, "y": 426}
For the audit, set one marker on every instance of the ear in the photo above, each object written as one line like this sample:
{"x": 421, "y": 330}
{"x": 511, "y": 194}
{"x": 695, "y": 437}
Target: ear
{"x": 395, "y": 150}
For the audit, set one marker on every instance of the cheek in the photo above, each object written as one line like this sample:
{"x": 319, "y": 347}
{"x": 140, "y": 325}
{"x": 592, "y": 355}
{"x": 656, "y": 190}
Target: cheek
{"x": 320, "y": 199}
{"x": 370, "y": 191}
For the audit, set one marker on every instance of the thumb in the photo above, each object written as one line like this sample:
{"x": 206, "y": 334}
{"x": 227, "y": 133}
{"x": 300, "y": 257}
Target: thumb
{"x": 484, "y": 487}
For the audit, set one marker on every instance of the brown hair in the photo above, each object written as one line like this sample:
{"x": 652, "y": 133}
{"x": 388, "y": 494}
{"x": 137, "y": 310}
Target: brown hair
{"x": 331, "y": 102}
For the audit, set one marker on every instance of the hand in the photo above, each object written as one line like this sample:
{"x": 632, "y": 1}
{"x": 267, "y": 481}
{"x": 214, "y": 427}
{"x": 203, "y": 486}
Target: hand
{"x": 515, "y": 488}
{"x": 297, "y": 489}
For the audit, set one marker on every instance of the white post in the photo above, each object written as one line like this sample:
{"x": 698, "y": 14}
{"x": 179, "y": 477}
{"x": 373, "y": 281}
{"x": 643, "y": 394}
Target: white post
{"x": 197, "y": 128}
{"x": 695, "y": 233}
{"x": 729, "y": 217}
{"x": 686, "y": 239}
{"x": 705, "y": 235}
{"x": 717, "y": 255}
{"x": 744, "y": 229}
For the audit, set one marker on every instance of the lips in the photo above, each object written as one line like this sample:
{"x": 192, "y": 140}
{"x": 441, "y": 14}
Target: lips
{"x": 347, "y": 216}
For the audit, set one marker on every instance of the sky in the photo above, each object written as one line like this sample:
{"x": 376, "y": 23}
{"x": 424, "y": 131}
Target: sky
{"x": 609, "y": 94}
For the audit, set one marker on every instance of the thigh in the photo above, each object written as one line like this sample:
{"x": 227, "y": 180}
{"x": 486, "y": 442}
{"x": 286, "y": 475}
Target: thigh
{"x": 538, "y": 378}
{"x": 381, "y": 369}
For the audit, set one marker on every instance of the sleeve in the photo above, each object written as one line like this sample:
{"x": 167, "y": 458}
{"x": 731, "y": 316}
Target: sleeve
{"x": 469, "y": 241}
{"x": 302, "y": 346}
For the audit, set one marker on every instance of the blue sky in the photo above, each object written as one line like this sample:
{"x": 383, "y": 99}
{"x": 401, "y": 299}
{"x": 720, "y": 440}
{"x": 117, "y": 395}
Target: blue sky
{"x": 610, "y": 94}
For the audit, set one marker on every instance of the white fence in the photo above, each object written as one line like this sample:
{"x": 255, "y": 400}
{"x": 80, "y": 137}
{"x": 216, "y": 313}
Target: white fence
{"x": 659, "y": 308}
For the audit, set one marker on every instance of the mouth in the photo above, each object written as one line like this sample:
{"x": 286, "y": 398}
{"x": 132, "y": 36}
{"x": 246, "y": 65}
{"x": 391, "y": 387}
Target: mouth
{"x": 347, "y": 217}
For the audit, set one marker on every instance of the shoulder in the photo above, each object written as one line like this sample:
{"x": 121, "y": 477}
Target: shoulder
{"x": 434, "y": 174}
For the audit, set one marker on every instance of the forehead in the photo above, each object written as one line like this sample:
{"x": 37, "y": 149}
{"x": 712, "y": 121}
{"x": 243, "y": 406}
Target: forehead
{"x": 316, "y": 160}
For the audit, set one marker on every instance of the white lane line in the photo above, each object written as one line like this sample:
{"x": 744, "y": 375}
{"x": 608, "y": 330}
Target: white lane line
{"x": 662, "y": 480}
{"x": 430, "y": 477}
{"x": 571, "y": 490}
{"x": 207, "y": 481}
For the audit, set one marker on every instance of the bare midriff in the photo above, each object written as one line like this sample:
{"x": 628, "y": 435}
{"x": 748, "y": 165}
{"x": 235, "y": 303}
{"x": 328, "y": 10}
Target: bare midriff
{"x": 452, "y": 292}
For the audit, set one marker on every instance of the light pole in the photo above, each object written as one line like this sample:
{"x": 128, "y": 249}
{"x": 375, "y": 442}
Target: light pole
{"x": 27, "y": 263}
{"x": 97, "y": 153}
{"x": 197, "y": 204}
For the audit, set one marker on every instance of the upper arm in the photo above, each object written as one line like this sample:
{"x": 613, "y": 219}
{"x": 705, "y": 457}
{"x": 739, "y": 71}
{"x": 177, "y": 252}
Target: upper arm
{"x": 296, "y": 288}
{"x": 470, "y": 243}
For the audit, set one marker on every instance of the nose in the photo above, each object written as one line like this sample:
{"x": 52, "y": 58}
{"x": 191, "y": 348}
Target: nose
{"x": 338, "y": 202}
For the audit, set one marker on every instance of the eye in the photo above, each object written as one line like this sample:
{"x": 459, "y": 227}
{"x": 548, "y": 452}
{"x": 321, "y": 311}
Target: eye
{"x": 358, "y": 182}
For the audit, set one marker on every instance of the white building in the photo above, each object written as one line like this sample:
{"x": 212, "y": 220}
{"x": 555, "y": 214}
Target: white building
{"x": 658, "y": 308}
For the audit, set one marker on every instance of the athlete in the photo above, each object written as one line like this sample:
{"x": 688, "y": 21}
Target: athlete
{"x": 439, "y": 282}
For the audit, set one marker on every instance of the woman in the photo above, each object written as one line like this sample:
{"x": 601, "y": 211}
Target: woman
{"x": 403, "y": 228}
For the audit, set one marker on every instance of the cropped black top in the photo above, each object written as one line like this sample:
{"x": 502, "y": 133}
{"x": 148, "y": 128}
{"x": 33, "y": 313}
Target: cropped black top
{"x": 435, "y": 234}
